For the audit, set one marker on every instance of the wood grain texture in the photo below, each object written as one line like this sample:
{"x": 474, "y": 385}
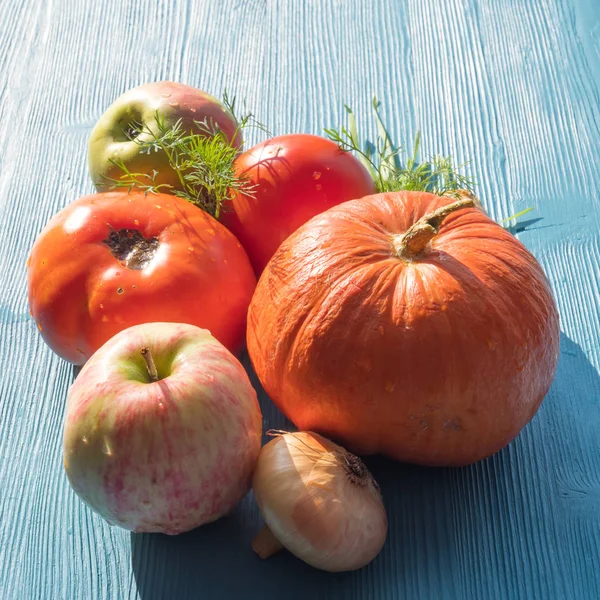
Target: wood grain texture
{"x": 512, "y": 84}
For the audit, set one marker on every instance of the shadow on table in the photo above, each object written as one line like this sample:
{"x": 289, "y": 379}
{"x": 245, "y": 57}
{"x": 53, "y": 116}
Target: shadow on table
{"x": 499, "y": 528}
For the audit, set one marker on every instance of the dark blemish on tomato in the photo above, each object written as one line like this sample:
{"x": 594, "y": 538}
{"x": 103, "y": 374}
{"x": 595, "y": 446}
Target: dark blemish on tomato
{"x": 131, "y": 248}
{"x": 120, "y": 290}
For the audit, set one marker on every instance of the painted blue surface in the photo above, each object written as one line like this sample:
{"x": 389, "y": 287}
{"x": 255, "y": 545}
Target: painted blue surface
{"x": 513, "y": 85}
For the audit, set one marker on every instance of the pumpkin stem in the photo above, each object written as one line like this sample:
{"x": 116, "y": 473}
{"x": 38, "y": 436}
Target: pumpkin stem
{"x": 412, "y": 243}
{"x": 150, "y": 365}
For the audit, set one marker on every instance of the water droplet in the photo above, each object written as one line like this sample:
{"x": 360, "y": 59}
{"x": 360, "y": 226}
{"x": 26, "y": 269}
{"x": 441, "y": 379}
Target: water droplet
{"x": 136, "y": 222}
{"x": 210, "y": 232}
{"x": 166, "y": 94}
{"x": 158, "y": 206}
{"x": 120, "y": 290}
{"x": 174, "y": 104}
{"x": 225, "y": 261}
{"x": 190, "y": 248}
{"x": 101, "y": 305}
{"x": 133, "y": 286}
{"x": 317, "y": 175}
{"x": 319, "y": 187}
{"x": 192, "y": 110}
{"x": 161, "y": 405}
{"x": 444, "y": 307}
{"x": 39, "y": 326}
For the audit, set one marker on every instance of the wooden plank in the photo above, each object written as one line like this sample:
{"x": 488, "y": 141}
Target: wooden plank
{"x": 512, "y": 85}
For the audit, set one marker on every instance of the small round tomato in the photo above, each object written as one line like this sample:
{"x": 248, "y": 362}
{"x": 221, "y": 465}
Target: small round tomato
{"x": 112, "y": 260}
{"x": 296, "y": 177}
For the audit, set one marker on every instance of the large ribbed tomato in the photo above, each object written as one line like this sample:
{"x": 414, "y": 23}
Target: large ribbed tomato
{"x": 109, "y": 261}
{"x": 432, "y": 347}
{"x": 295, "y": 177}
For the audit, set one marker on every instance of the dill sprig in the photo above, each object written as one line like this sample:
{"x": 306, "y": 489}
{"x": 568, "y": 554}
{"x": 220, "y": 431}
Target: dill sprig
{"x": 394, "y": 169}
{"x": 203, "y": 161}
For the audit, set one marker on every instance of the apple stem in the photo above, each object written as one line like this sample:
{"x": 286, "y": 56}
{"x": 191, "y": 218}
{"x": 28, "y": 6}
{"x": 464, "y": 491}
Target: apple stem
{"x": 150, "y": 365}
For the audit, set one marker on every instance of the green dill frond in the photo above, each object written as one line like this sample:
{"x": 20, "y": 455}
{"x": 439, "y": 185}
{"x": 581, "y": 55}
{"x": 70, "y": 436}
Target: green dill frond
{"x": 203, "y": 161}
{"x": 393, "y": 169}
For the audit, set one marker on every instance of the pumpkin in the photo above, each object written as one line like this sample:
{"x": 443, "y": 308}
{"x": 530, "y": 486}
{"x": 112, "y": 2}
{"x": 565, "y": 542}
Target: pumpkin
{"x": 406, "y": 324}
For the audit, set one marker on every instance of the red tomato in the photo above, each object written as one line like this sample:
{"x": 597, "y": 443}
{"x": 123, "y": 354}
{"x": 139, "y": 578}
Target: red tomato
{"x": 109, "y": 261}
{"x": 297, "y": 176}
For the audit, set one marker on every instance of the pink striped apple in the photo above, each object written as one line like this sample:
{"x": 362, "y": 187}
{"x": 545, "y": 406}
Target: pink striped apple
{"x": 162, "y": 429}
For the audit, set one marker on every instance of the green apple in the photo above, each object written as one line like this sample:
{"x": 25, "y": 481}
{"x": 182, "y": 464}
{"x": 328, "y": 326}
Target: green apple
{"x": 114, "y": 136}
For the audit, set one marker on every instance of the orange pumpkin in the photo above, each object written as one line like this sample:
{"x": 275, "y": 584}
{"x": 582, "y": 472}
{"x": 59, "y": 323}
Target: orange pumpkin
{"x": 406, "y": 324}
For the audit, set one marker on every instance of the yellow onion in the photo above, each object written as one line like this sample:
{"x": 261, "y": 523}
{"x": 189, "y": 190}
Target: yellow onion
{"x": 319, "y": 501}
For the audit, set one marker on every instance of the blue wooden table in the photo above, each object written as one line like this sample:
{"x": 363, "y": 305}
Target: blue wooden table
{"x": 513, "y": 85}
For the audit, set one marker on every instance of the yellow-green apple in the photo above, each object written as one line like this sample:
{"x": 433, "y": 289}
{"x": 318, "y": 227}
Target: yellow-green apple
{"x": 117, "y": 134}
{"x": 162, "y": 429}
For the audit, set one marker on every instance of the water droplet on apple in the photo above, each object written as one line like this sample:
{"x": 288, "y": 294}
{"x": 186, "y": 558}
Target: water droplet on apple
{"x": 166, "y": 94}
{"x": 190, "y": 249}
{"x": 120, "y": 290}
{"x": 158, "y": 206}
{"x": 136, "y": 222}
{"x": 317, "y": 175}
{"x": 174, "y": 104}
